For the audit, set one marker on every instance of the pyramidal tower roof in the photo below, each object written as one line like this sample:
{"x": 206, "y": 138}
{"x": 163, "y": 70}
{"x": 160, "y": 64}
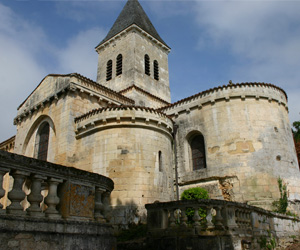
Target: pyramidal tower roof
{"x": 132, "y": 13}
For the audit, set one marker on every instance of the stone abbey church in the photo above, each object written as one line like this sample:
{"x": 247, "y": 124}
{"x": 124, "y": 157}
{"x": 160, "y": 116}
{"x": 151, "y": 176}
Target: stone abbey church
{"x": 234, "y": 140}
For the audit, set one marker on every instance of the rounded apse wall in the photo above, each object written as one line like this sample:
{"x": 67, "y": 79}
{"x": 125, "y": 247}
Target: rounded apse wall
{"x": 247, "y": 137}
{"x": 133, "y": 147}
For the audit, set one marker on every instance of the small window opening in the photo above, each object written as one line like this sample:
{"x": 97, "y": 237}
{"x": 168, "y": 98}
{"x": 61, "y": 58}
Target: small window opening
{"x": 160, "y": 162}
{"x": 43, "y": 142}
{"x": 198, "y": 152}
{"x": 119, "y": 65}
{"x": 147, "y": 65}
{"x": 156, "y": 70}
{"x": 109, "y": 70}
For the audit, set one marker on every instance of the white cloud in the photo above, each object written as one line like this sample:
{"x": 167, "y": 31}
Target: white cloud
{"x": 264, "y": 38}
{"x": 20, "y": 42}
{"x": 79, "y": 55}
{"x": 25, "y": 51}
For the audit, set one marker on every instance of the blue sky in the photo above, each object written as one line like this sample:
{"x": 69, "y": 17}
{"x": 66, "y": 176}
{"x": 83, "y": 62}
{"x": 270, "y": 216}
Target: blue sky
{"x": 212, "y": 42}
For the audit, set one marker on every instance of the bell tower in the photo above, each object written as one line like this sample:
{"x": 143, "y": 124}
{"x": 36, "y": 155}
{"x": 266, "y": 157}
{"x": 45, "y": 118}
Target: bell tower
{"x": 134, "y": 55}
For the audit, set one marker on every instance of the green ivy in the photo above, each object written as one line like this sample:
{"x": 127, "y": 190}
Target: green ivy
{"x": 195, "y": 194}
{"x": 281, "y": 205}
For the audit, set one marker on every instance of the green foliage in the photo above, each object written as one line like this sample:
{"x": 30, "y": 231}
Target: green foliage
{"x": 195, "y": 194}
{"x": 267, "y": 243}
{"x": 281, "y": 205}
{"x": 296, "y": 131}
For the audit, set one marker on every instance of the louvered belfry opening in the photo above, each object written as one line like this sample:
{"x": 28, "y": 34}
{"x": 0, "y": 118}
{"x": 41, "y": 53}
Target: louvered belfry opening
{"x": 156, "y": 70}
{"x": 43, "y": 142}
{"x": 198, "y": 152}
{"x": 147, "y": 65}
{"x": 109, "y": 70}
{"x": 119, "y": 64}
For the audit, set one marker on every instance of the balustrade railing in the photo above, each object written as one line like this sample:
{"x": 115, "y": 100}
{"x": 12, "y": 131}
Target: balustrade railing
{"x": 207, "y": 216}
{"x": 72, "y": 193}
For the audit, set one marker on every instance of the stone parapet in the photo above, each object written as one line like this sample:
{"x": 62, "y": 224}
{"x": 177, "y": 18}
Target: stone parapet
{"x": 246, "y": 225}
{"x": 38, "y": 233}
{"x": 72, "y": 194}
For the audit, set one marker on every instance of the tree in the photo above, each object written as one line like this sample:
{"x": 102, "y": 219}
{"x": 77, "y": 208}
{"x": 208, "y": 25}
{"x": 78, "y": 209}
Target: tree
{"x": 296, "y": 131}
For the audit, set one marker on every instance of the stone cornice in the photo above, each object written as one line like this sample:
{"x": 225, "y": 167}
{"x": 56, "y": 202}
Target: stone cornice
{"x": 144, "y": 92}
{"x": 133, "y": 27}
{"x": 84, "y": 86}
{"x": 88, "y": 82}
{"x": 187, "y": 103}
{"x": 123, "y": 116}
{"x": 10, "y": 140}
{"x": 103, "y": 90}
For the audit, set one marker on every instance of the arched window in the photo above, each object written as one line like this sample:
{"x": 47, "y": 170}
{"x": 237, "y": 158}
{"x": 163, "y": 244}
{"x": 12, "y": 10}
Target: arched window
{"x": 119, "y": 65}
{"x": 160, "y": 162}
{"x": 198, "y": 152}
{"x": 156, "y": 70}
{"x": 43, "y": 141}
{"x": 109, "y": 70}
{"x": 147, "y": 65}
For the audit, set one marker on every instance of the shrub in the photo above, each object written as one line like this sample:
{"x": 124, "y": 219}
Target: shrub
{"x": 195, "y": 194}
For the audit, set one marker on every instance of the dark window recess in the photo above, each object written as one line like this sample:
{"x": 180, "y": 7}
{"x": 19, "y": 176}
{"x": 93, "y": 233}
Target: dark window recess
{"x": 198, "y": 152}
{"x": 160, "y": 162}
{"x": 109, "y": 70}
{"x": 119, "y": 65}
{"x": 43, "y": 142}
{"x": 147, "y": 65}
{"x": 156, "y": 70}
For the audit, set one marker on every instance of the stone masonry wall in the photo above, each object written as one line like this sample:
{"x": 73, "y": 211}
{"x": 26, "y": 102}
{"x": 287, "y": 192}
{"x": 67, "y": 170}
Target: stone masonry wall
{"x": 60, "y": 114}
{"x": 248, "y": 143}
{"x": 126, "y": 148}
{"x": 134, "y": 46}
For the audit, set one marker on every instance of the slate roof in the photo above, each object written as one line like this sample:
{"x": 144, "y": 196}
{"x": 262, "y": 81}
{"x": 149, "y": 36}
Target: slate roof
{"x": 132, "y": 13}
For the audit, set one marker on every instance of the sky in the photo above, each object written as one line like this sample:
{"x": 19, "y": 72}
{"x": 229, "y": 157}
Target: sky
{"x": 211, "y": 43}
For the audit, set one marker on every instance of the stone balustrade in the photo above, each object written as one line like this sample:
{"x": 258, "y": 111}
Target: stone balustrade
{"x": 216, "y": 215}
{"x": 71, "y": 194}
{"x": 231, "y": 224}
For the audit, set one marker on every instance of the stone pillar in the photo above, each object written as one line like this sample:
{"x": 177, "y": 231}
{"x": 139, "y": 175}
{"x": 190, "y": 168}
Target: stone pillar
{"x": 16, "y": 195}
{"x": 2, "y": 191}
{"x": 52, "y": 199}
{"x": 99, "y": 206}
{"x": 35, "y": 197}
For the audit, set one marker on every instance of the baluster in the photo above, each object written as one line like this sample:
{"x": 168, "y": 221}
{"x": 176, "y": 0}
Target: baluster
{"x": 237, "y": 217}
{"x": 35, "y": 198}
{"x": 209, "y": 223}
{"x": 183, "y": 217}
{"x": 219, "y": 218}
{"x": 99, "y": 206}
{"x": 196, "y": 217}
{"x": 2, "y": 191}
{"x": 52, "y": 199}
{"x": 106, "y": 205}
{"x": 16, "y": 195}
{"x": 172, "y": 218}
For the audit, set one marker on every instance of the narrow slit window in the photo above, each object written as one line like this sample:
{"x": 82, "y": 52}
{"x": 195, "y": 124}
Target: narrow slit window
{"x": 198, "y": 152}
{"x": 160, "y": 161}
{"x": 156, "y": 70}
{"x": 119, "y": 65}
{"x": 43, "y": 142}
{"x": 109, "y": 70}
{"x": 147, "y": 65}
